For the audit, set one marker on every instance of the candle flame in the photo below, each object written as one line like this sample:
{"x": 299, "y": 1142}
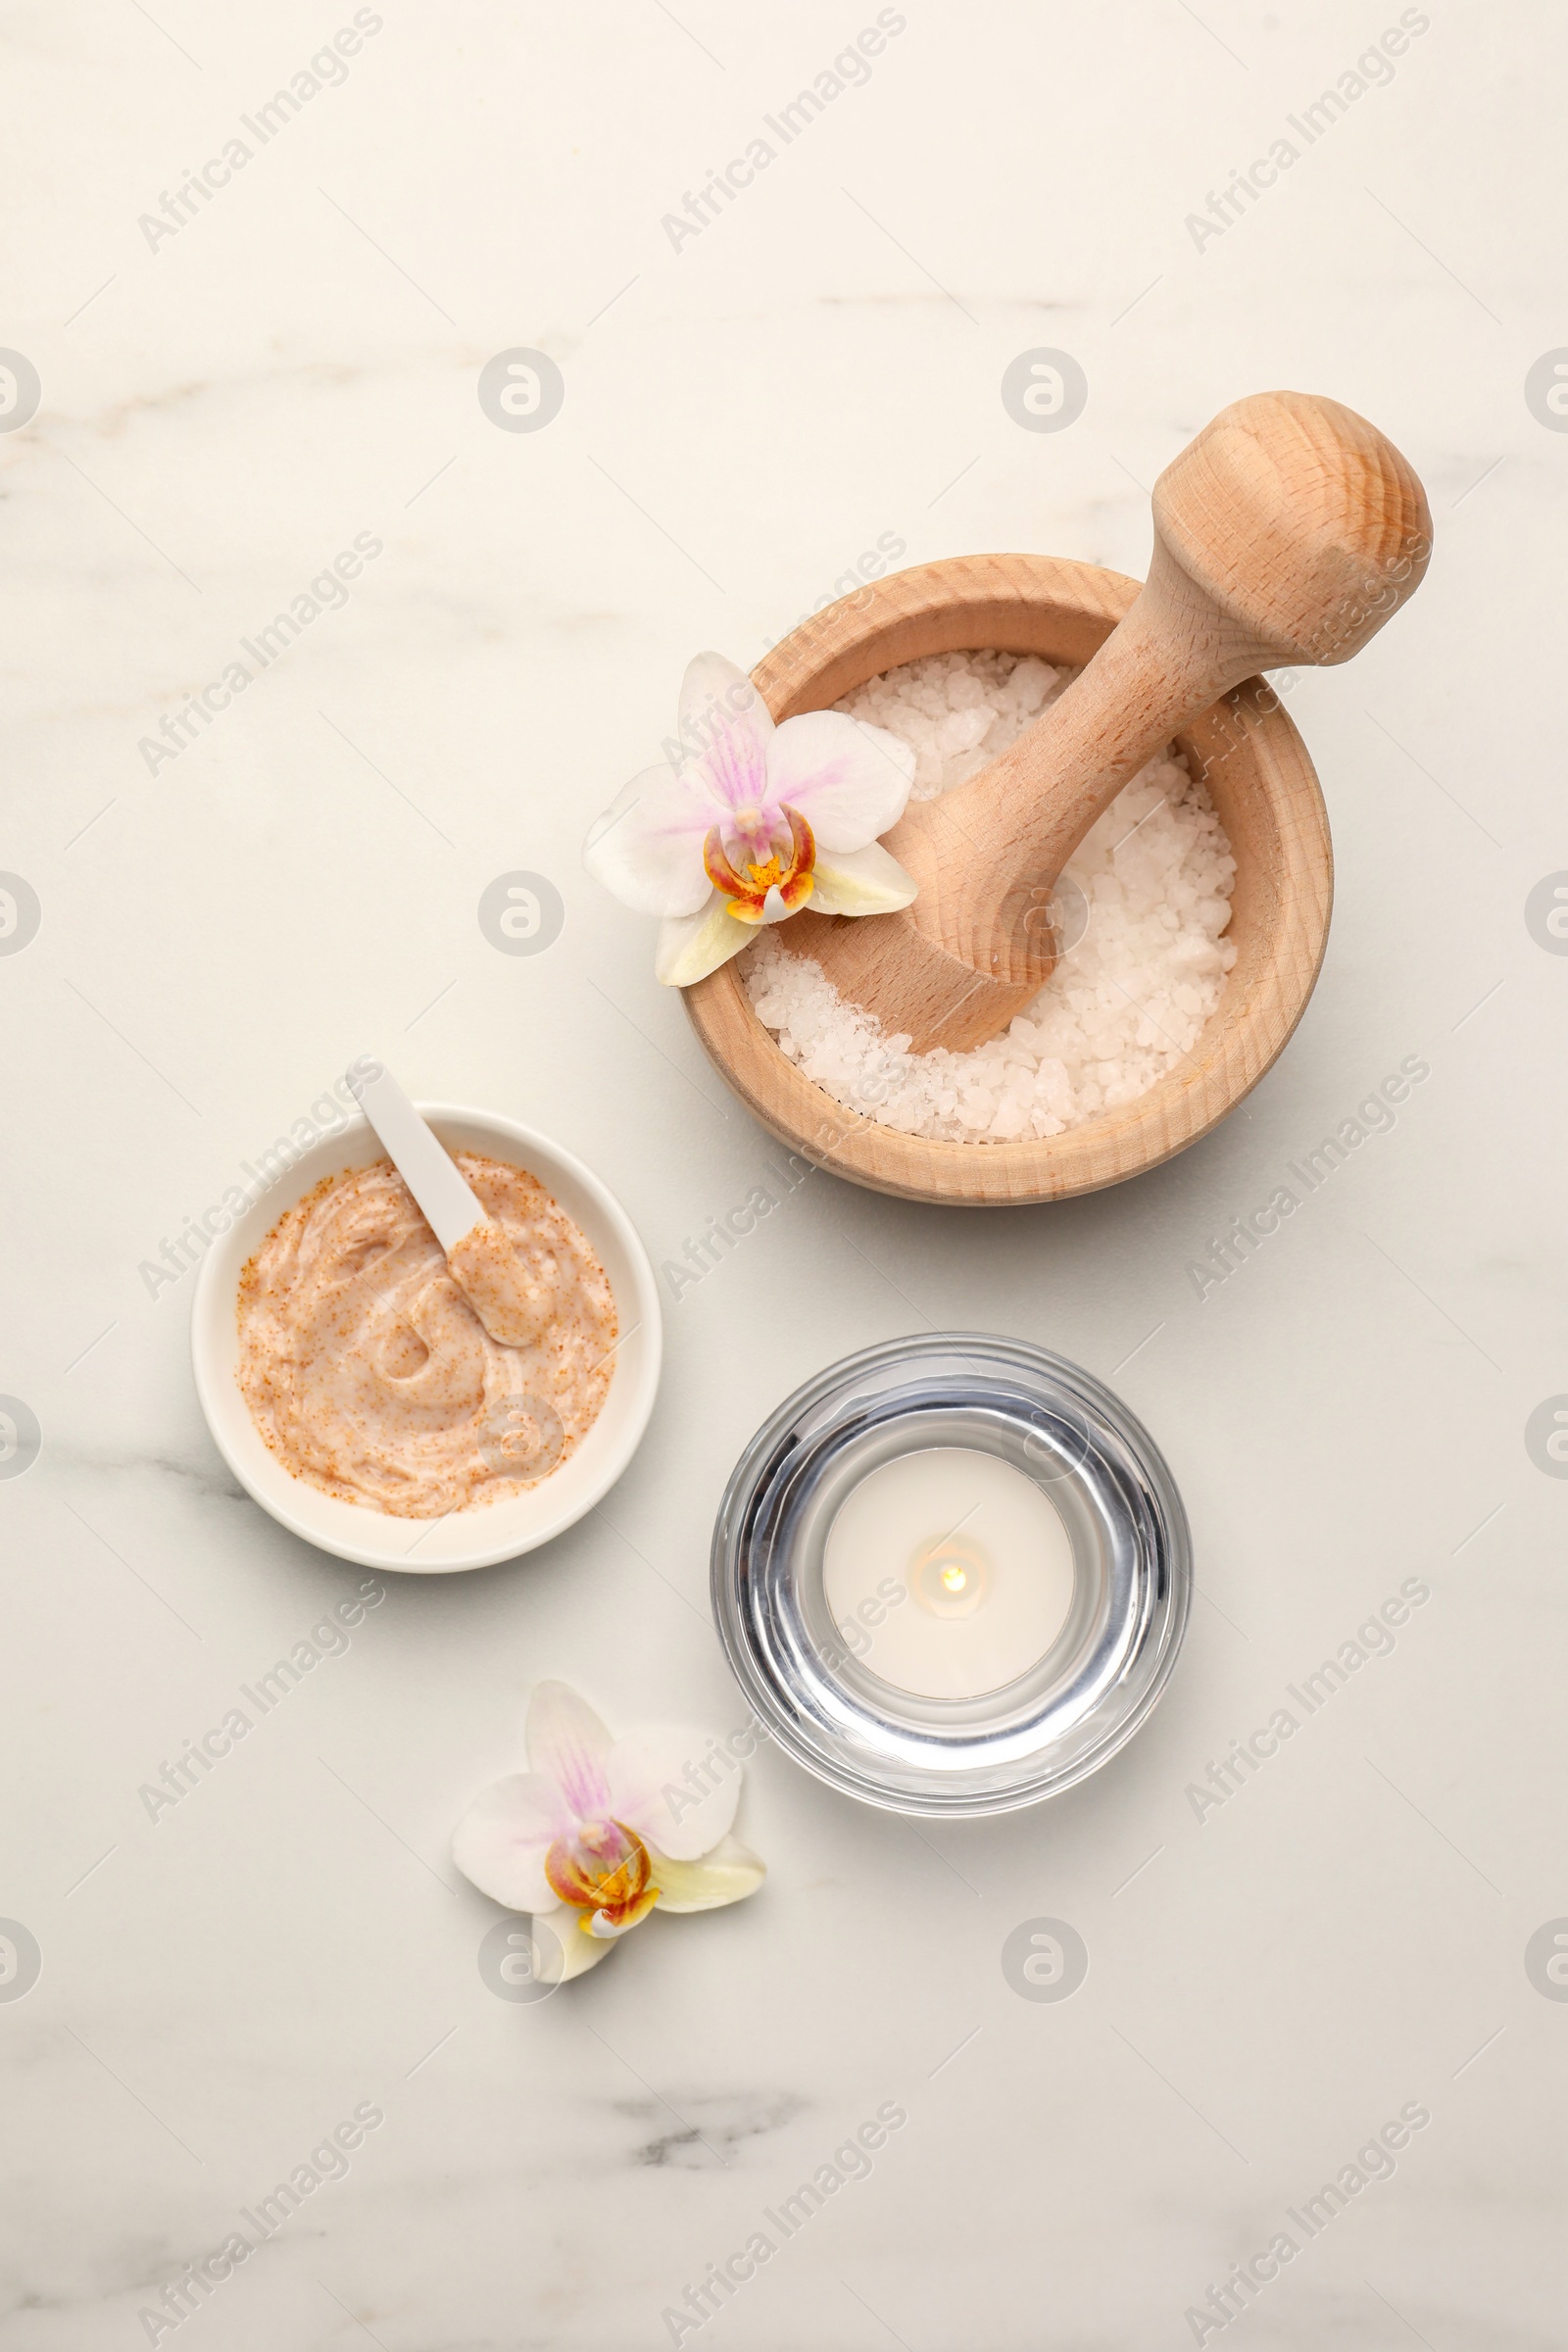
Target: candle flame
{"x": 950, "y": 1577}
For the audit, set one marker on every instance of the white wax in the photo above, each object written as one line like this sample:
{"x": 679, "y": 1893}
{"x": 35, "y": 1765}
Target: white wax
{"x": 947, "y": 1572}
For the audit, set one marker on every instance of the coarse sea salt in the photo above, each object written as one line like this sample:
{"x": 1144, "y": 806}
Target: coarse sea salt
{"x": 1153, "y": 877}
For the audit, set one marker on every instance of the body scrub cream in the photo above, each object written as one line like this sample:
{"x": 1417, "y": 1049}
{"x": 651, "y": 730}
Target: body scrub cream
{"x": 370, "y": 1375}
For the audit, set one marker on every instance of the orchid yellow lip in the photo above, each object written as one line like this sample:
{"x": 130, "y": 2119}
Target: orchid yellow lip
{"x": 605, "y": 1874}
{"x": 766, "y": 889}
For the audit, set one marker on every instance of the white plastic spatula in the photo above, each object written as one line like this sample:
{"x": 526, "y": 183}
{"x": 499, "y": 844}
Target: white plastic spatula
{"x": 512, "y": 1302}
{"x": 451, "y": 1206}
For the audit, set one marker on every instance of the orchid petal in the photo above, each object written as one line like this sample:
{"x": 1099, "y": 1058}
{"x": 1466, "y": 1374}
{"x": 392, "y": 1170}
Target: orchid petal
{"x": 725, "y": 728}
{"x": 851, "y": 781}
{"x": 568, "y": 1745}
{"x": 727, "y": 1874}
{"x": 868, "y": 881}
{"x": 692, "y": 946}
{"x": 502, "y": 1841}
{"x": 647, "y": 848}
{"x": 563, "y": 1950}
{"x": 662, "y": 1786}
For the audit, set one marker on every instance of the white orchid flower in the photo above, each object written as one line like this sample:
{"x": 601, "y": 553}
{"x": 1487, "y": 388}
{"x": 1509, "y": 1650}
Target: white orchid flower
{"x": 598, "y": 1831}
{"x": 752, "y": 821}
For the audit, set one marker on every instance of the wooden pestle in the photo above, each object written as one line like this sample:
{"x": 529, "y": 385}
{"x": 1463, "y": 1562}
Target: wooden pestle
{"x": 1285, "y": 533}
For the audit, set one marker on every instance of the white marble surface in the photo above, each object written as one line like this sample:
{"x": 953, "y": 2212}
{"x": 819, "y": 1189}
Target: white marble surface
{"x": 223, "y": 412}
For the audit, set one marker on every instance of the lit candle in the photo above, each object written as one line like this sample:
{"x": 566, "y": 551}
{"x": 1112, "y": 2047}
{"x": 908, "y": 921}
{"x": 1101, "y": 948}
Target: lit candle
{"x": 947, "y": 1572}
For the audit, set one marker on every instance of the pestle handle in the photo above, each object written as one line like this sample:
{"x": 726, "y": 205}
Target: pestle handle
{"x": 1286, "y": 532}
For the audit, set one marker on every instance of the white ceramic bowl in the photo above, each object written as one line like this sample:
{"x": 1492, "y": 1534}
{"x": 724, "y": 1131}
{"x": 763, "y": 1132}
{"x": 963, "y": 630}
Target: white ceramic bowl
{"x": 497, "y": 1531}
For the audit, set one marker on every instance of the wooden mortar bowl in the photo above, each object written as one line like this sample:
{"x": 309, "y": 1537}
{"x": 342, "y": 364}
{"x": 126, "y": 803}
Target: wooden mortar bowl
{"x": 1263, "y": 786}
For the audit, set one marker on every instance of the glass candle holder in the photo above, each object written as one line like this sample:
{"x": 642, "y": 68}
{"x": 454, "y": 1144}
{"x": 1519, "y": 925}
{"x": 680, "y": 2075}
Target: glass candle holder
{"x": 952, "y": 1574}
